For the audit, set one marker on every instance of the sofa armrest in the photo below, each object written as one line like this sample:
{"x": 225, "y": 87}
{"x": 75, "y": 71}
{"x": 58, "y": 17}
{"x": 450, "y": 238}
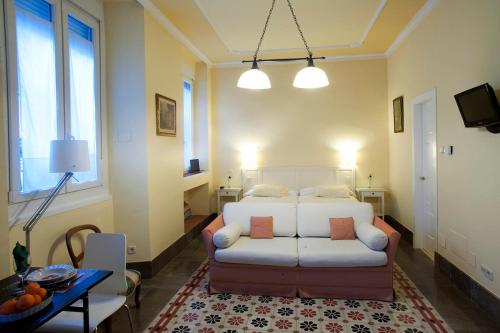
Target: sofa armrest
{"x": 393, "y": 237}
{"x": 208, "y": 234}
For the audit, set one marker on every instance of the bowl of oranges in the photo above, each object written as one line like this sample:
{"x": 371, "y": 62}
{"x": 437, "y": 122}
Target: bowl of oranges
{"x": 30, "y": 301}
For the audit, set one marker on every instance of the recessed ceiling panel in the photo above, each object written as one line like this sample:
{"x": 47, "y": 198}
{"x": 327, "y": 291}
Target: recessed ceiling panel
{"x": 326, "y": 23}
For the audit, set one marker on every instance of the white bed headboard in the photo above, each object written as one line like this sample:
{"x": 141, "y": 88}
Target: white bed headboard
{"x": 297, "y": 178}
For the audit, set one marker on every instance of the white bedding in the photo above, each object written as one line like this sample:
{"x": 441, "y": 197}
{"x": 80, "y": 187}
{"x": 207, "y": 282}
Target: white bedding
{"x": 288, "y": 199}
{"x": 325, "y": 200}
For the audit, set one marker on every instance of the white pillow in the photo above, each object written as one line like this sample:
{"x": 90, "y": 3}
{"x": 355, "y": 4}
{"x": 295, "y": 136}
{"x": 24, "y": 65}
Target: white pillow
{"x": 267, "y": 190}
{"x": 371, "y": 236}
{"x": 227, "y": 235}
{"x": 332, "y": 191}
{"x": 248, "y": 193}
{"x": 309, "y": 191}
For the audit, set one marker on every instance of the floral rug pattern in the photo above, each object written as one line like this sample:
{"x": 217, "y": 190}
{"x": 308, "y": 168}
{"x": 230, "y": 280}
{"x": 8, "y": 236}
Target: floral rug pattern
{"x": 193, "y": 310}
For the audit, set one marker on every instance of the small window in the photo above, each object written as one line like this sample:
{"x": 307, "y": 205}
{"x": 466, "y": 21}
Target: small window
{"x": 188, "y": 123}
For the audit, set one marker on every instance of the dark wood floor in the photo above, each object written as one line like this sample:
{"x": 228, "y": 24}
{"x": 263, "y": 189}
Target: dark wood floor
{"x": 451, "y": 303}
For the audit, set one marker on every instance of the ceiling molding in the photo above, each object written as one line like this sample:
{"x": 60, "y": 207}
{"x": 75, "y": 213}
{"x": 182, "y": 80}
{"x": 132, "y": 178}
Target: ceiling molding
{"x": 353, "y": 45}
{"x": 233, "y": 64}
{"x": 372, "y": 21}
{"x": 412, "y": 25}
{"x": 167, "y": 24}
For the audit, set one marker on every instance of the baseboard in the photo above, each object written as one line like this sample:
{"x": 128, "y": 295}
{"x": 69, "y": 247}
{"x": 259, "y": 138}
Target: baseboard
{"x": 149, "y": 269}
{"x": 477, "y": 293}
{"x": 406, "y": 233}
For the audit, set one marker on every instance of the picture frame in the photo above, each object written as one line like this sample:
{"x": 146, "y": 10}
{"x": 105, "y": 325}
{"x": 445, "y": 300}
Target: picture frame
{"x": 398, "y": 110}
{"x": 166, "y": 116}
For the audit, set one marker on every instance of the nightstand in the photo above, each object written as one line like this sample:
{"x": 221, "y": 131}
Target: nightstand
{"x": 231, "y": 192}
{"x": 373, "y": 192}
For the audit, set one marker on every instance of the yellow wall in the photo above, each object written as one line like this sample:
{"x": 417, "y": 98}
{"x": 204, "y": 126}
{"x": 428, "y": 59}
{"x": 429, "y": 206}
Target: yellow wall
{"x": 125, "y": 64}
{"x": 455, "y": 48}
{"x": 303, "y": 127}
{"x": 166, "y": 59}
{"x": 48, "y": 244}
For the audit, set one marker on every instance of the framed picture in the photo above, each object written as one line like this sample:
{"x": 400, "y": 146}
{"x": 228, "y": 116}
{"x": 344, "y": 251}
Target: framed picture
{"x": 165, "y": 116}
{"x": 399, "y": 115}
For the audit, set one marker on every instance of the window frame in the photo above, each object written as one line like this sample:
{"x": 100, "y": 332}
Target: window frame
{"x": 190, "y": 81}
{"x": 60, "y": 10}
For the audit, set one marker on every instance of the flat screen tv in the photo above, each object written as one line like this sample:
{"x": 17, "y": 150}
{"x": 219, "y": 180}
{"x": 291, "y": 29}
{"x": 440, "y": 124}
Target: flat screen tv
{"x": 479, "y": 106}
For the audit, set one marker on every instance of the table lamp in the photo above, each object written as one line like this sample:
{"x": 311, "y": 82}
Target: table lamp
{"x": 68, "y": 157}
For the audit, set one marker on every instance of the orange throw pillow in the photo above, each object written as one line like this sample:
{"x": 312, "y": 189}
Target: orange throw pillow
{"x": 342, "y": 228}
{"x": 261, "y": 227}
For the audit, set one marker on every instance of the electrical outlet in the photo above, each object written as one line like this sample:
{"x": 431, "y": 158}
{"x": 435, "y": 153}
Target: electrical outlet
{"x": 487, "y": 272}
{"x": 132, "y": 249}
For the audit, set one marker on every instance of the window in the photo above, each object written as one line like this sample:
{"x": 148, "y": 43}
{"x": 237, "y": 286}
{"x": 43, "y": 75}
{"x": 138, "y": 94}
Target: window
{"x": 188, "y": 123}
{"x": 54, "y": 91}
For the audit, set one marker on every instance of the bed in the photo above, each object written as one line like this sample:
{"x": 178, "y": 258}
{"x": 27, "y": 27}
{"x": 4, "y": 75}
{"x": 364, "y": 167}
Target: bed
{"x": 297, "y": 178}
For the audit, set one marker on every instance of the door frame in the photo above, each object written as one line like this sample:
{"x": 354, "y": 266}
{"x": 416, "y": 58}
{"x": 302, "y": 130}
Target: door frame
{"x": 417, "y": 103}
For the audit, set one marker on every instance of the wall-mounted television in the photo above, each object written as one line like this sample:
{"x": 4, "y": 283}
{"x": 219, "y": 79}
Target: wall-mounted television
{"x": 479, "y": 106}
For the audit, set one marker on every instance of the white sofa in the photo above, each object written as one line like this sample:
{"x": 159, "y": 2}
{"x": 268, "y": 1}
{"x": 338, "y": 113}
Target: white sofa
{"x": 301, "y": 258}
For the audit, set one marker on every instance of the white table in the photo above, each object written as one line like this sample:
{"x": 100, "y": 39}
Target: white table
{"x": 231, "y": 192}
{"x": 373, "y": 192}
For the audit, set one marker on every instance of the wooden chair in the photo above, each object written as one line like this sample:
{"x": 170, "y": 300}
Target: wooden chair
{"x": 133, "y": 277}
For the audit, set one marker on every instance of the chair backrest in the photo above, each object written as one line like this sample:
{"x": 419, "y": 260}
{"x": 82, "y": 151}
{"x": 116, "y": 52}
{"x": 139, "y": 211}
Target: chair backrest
{"x": 107, "y": 252}
{"x": 77, "y": 258}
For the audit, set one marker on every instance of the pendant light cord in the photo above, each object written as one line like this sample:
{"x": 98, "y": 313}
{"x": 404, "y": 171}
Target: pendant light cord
{"x": 298, "y": 28}
{"x": 264, "y": 30}
{"x": 267, "y": 23}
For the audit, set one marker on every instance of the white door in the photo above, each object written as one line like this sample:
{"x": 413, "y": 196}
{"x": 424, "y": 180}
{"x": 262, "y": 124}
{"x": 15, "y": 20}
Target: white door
{"x": 429, "y": 195}
{"x": 426, "y": 173}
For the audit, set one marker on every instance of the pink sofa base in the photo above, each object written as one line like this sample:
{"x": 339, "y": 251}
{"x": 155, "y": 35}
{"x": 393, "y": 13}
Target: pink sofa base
{"x": 346, "y": 283}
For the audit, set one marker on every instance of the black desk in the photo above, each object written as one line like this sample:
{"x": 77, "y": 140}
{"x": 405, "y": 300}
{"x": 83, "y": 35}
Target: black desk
{"x": 61, "y": 302}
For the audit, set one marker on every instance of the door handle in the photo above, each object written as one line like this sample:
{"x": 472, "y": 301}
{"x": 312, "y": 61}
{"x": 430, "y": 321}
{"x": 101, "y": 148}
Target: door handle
{"x": 422, "y": 178}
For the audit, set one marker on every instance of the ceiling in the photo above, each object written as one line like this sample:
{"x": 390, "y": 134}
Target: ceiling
{"x": 229, "y": 30}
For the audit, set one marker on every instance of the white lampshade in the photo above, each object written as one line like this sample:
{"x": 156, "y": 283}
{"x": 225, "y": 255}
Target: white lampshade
{"x": 69, "y": 156}
{"x": 254, "y": 79}
{"x": 311, "y": 77}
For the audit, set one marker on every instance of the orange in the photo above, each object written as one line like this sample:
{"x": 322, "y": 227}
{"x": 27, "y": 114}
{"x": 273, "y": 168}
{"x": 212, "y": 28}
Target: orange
{"x": 8, "y": 307}
{"x": 32, "y": 288}
{"x": 42, "y": 292}
{"x": 25, "y": 302}
{"x": 38, "y": 299}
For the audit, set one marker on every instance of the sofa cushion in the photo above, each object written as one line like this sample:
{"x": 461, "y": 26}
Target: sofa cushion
{"x": 227, "y": 235}
{"x": 372, "y": 236}
{"x": 313, "y": 219}
{"x": 284, "y": 216}
{"x": 324, "y": 252}
{"x": 279, "y": 251}
{"x": 342, "y": 228}
{"x": 261, "y": 227}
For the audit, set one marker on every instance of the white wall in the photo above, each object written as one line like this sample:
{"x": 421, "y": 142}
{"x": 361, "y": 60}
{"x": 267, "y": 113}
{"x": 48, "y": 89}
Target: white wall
{"x": 455, "y": 48}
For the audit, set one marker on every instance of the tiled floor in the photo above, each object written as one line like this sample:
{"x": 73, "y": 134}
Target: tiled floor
{"x": 451, "y": 303}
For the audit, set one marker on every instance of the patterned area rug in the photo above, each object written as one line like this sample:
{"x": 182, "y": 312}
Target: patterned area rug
{"x": 193, "y": 310}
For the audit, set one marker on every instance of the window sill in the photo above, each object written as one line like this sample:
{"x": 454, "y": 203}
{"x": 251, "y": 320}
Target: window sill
{"x": 19, "y": 213}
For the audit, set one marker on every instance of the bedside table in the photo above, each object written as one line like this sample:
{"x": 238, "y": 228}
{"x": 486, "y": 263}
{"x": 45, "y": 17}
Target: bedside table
{"x": 231, "y": 192}
{"x": 373, "y": 192}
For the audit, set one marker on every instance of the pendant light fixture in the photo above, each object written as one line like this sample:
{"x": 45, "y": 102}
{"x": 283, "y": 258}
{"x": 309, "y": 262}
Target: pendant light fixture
{"x": 308, "y": 77}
